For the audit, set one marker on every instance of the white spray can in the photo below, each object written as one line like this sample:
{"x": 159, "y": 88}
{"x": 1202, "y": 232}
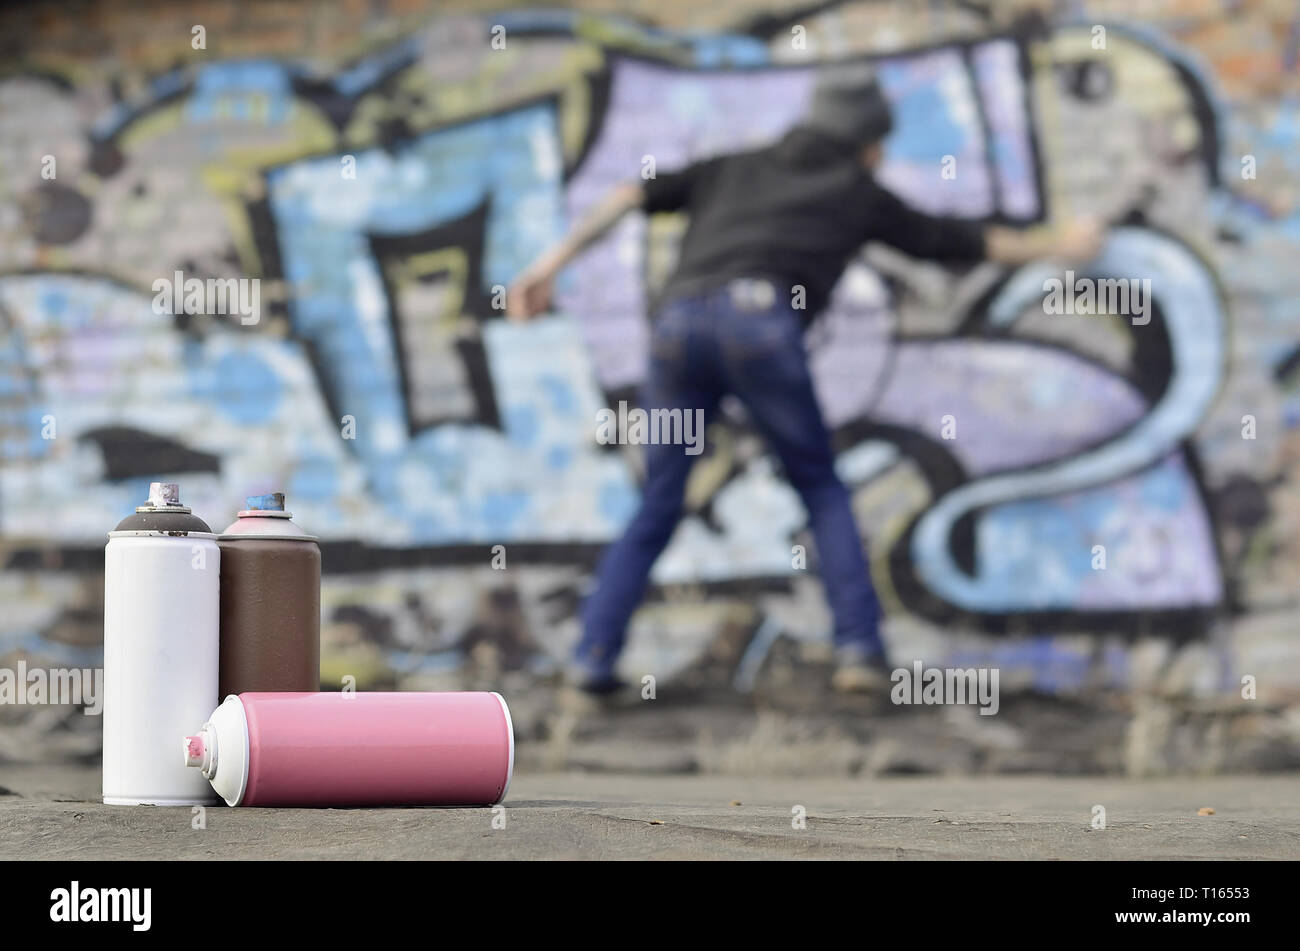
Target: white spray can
{"x": 161, "y": 648}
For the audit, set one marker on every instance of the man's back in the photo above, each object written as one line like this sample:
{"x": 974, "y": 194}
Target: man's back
{"x": 797, "y": 211}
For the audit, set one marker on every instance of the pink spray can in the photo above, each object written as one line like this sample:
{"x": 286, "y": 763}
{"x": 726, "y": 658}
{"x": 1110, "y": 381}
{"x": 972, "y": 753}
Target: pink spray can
{"x": 357, "y": 749}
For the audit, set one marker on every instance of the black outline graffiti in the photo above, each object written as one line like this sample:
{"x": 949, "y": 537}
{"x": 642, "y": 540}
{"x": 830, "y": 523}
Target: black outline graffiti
{"x": 467, "y": 233}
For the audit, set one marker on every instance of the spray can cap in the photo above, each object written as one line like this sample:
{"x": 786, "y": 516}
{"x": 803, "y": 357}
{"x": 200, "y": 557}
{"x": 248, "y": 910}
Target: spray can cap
{"x": 270, "y": 505}
{"x": 264, "y": 516}
{"x": 163, "y": 497}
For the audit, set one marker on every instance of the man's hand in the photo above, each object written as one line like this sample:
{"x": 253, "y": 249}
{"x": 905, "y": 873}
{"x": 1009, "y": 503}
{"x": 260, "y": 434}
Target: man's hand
{"x": 530, "y": 294}
{"x": 1073, "y": 243}
{"x": 1080, "y": 240}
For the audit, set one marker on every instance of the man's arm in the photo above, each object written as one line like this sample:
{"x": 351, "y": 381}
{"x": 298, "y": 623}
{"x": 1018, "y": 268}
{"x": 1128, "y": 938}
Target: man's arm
{"x": 530, "y": 294}
{"x": 951, "y": 239}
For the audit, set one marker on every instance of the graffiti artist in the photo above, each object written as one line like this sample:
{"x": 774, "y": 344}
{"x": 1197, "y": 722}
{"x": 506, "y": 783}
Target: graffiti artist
{"x": 770, "y": 229}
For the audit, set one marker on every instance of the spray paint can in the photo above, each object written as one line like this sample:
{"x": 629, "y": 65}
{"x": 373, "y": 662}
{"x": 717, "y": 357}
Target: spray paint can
{"x": 270, "y": 601}
{"x": 161, "y": 572}
{"x": 357, "y": 749}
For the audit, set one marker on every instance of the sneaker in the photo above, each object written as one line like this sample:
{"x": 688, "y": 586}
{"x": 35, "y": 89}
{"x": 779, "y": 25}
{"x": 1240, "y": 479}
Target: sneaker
{"x": 586, "y": 692}
{"x": 598, "y": 683}
{"x": 859, "y": 671}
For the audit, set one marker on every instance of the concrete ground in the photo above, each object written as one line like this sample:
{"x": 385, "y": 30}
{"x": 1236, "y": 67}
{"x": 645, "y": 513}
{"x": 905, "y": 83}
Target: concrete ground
{"x": 52, "y": 812}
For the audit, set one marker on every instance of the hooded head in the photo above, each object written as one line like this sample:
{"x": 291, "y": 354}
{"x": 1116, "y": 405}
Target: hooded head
{"x": 849, "y": 108}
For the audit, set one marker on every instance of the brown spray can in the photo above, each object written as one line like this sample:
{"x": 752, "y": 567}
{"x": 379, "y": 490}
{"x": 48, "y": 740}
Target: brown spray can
{"x": 270, "y": 602}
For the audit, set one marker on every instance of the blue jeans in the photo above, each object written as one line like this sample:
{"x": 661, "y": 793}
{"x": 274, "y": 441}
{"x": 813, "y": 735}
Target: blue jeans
{"x": 735, "y": 339}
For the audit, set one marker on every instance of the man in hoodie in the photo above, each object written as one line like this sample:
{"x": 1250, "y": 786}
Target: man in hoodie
{"x": 769, "y": 229}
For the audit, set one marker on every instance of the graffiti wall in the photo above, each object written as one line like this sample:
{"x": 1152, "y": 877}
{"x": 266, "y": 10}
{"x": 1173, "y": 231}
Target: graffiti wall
{"x": 384, "y": 170}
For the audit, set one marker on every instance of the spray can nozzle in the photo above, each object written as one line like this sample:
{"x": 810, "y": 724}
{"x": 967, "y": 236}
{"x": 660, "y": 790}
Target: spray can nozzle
{"x": 201, "y": 751}
{"x": 271, "y": 502}
{"x": 163, "y": 497}
{"x": 270, "y": 505}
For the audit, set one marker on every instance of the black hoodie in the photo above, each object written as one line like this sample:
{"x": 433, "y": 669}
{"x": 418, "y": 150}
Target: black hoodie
{"x": 795, "y": 211}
